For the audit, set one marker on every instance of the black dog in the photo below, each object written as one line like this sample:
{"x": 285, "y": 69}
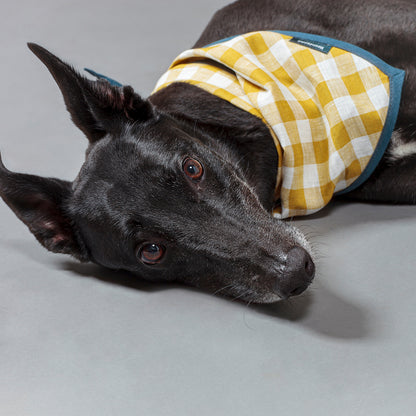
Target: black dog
{"x": 181, "y": 186}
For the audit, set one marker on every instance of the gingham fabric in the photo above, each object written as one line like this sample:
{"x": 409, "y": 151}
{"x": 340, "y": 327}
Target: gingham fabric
{"x": 325, "y": 107}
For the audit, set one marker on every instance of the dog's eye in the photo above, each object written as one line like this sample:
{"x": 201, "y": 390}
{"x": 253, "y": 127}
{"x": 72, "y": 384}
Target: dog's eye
{"x": 151, "y": 253}
{"x": 193, "y": 169}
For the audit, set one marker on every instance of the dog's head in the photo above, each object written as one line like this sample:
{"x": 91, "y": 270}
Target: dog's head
{"x": 158, "y": 199}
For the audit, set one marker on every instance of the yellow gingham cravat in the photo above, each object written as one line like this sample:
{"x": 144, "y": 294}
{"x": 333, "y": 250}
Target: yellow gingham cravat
{"x": 330, "y": 111}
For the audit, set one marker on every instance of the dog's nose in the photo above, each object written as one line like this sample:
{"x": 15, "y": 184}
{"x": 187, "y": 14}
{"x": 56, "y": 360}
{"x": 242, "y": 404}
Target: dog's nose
{"x": 297, "y": 275}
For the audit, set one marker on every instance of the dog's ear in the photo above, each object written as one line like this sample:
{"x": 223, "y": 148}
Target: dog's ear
{"x": 96, "y": 107}
{"x": 41, "y": 204}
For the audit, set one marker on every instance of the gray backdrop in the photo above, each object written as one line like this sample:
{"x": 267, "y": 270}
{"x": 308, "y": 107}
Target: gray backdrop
{"x": 79, "y": 340}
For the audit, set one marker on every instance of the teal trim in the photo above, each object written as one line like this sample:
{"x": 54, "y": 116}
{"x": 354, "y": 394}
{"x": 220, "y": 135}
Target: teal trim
{"x": 396, "y": 80}
{"x": 101, "y": 76}
{"x": 396, "y": 85}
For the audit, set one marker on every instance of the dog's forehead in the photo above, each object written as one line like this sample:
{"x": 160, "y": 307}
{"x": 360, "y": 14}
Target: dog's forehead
{"x": 132, "y": 171}
{"x": 141, "y": 155}
{"x": 118, "y": 158}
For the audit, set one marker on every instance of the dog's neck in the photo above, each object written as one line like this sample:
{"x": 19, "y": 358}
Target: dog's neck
{"x": 244, "y": 134}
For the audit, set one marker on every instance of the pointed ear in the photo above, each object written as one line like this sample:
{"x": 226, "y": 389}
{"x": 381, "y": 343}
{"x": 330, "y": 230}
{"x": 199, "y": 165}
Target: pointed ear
{"x": 96, "y": 107}
{"x": 41, "y": 204}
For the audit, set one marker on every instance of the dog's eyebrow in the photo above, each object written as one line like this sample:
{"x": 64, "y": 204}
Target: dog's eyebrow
{"x": 134, "y": 224}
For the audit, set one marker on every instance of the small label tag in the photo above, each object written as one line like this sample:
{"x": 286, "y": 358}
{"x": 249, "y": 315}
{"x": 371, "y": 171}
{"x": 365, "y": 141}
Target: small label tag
{"x": 313, "y": 44}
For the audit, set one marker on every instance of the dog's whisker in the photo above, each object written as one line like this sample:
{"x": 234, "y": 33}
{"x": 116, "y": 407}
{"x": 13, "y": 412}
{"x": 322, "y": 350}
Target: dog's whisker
{"x": 223, "y": 288}
{"x": 242, "y": 295}
{"x": 244, "y": 315}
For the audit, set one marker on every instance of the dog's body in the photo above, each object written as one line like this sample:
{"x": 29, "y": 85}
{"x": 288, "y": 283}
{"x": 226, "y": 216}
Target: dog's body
{"x": 181, "y": 186}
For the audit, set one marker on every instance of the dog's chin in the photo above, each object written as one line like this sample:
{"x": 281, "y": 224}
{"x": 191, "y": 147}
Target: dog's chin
{"x": 260, "y": 298}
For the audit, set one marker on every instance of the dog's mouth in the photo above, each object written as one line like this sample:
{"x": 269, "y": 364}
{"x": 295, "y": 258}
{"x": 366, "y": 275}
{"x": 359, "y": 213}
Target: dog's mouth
{"x": 271, "y": 277}
{"x": 251, "y": 295}
{"x": 255, "y": 296}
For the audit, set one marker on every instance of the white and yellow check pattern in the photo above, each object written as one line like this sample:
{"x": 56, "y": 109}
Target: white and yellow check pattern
{"x": 325, "y": 112}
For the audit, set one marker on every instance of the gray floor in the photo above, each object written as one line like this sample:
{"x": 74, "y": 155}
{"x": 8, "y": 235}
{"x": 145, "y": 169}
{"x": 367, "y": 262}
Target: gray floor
{"x": 79, "y": 340}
